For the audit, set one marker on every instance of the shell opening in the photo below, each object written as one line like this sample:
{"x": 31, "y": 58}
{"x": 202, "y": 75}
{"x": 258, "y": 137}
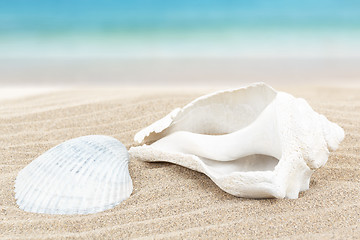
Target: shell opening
{"x": 256, "y": 162}
{"x": 254, "y": 147}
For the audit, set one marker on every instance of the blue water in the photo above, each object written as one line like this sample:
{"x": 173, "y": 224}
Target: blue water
{"x": 121, "y": 28}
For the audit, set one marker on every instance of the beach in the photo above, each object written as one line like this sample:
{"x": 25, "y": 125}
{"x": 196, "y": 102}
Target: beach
{"x": 159, "y": 72}
{"x": 170, "y": 201}
{"x": 76, "y": 68}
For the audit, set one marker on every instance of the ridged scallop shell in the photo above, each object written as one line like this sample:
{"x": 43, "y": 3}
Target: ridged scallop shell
{"x": 252, "y": 141}
{"x": 83, "y": 175}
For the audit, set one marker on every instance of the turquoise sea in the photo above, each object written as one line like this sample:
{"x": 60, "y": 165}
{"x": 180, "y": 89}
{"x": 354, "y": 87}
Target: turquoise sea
{"x": 187, "y": 28}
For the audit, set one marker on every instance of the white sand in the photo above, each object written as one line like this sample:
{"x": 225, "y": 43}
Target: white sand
{"x": 21, "y": 92}
{"x": 169, "y": 201}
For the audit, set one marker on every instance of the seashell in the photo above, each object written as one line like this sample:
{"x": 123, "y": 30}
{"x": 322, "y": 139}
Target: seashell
{"x": 252, "y": 141}
{"x": 83, "y": 175}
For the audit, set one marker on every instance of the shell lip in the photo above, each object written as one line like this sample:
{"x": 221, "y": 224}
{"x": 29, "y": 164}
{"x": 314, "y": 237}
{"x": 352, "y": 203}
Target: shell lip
{"x": 251, "y": 184}
{"x": 266, "y": 178}
{"x": 165, "y": 122}
{"x": 157, "y": 127}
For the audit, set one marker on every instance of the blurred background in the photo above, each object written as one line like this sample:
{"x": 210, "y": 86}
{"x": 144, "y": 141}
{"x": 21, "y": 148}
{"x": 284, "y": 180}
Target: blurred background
{"x": 188, "y": 42}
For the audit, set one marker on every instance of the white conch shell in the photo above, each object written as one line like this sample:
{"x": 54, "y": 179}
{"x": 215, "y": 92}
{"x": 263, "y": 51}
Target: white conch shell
{"x": 83, "y": 175}
{"x": 252, "y": 142}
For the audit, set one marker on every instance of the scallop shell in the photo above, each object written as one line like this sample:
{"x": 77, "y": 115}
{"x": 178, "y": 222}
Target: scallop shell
{"x": 252, "y": 141}
{"x": 83, "y": 175}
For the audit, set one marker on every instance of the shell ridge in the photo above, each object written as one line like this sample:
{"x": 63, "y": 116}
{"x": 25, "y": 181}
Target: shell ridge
{"x": 107, "y": 181}
{"x": 40, "y": 180}
{"x": 75, "y": 177}
{"x": 59, "y": 176}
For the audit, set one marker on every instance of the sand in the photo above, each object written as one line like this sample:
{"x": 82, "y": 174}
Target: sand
{"x": 170, "y": 201}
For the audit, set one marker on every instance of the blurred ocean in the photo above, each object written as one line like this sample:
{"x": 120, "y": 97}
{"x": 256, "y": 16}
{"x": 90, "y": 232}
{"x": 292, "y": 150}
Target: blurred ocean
{"x": 172, "y": 29}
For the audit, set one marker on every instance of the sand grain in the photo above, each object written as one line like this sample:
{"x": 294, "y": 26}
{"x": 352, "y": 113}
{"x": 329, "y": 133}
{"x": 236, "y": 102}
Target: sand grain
{"x": 170, "y": 201}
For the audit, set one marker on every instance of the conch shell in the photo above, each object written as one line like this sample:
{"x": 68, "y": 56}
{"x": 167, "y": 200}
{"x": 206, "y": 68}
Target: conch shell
{"x": 252, "y": 141}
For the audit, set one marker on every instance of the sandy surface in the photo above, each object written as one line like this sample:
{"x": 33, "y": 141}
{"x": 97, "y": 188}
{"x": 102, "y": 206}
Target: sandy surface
{"x": 15, "y": 92}
{"x": 170, "y": 201}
